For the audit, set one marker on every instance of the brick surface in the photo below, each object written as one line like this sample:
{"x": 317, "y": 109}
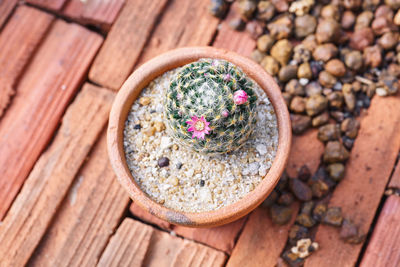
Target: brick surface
{"x": 183, "y": 23}
{"x": 18, "y": 41}
{"x": 87, "y": 217}
{"x": 48, "y": 4}
{"x": 125, "y": 42}
{"x": 6, "y": 7}
{"x": 137, "y": 244}
{"x": 221, "y": 237}
{"x": 227, "y": 38}
{"x": 367, "y": 173}
{"x": 147, "y": 217}
{"x": 261, "y": 241}
{"x": 383, "y": 249}
{"x": 395, "y": 179}
{"x": 306, "y": 150}
{"x": 50, "y": 179}
{"x": 97, "y": 12}
{"x": 50, "y": 81}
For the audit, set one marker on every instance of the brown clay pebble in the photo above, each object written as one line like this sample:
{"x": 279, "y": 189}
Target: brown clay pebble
{"x": 319, "y": 188}
{"x": 144, "y": 100}
{"x": 305, "y": 220}
{"x": 389, "y": 40}
{"x": 327, "y": 31}
{"x": 254, "y": 28}
{"x": 364, "y": 20}
{"x": 265, "y": 42}
{"x": 281, "y": 28}
{"x": 271, "y": 199}
{"x": 218, "y": 8}
{"x": 246, "y": 8}
{"x": 280, "y": 214}
{"x": 350, "y": 127}
{"x": 265, "y": 10}
{"x": 304, "y": 25}
{"x": 329, "y": 132}
{"x": 361, "y": 38}
{"x": 348, "y": 19}
{"x": 298, "y": 104}
{"x": 348, "y": 96}
{"x": 280, "y": 5}
{"x": 304, "y": 71}
{"x": 271, "y": 65}
{"x": 333, "y": 216}
{"x": 326, "y": 79}
{"x": 325, "y": 52}
{"x": 396, "y": 19}
{"x": 293, "y": 87}
{"x": 335, "y": 99}
{"x": 354, "y": 60}
{"x": 320, "y": 119}
{"x": 336, "y": 171}
{"x": 350, "y": 233}
{"x": 300, "y": 190}
{"x": 300, "y": 123}
{"x": 282, "y": 51}
{"x": 335, "y": 67}
{"x": 285, "y": 199}
{"x": 335, "y": 152}
{"x": 373, "y": 56}
{"x": 163, "y": 162}
{"x": 237, "y": 24}
{"x": 288, "y": 72}
{"x": 258, "y": 56}
{"x": 297, "y": 232}
{"x": 313, "y": 88}
{"x": 330, "y": 12}
{"x": 316, "y": 104}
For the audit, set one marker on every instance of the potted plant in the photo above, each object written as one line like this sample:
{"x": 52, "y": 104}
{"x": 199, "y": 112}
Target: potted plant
{"x": 205, "y": 142}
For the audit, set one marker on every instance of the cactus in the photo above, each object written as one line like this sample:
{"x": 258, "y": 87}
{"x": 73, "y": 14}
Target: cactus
{"x": 210, "y": 106}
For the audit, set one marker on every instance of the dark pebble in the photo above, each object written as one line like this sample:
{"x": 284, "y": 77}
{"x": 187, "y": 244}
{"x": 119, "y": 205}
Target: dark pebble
{"x": 329, "y": 132}
{"x": 292, "y": 259}
{"x": 283, "y": 181}
{"x": 300, "y": 189}
{"x": 336, "y": 171}
{"x": 335, "y": 152}
{"x": 305, "y": 220}
{"x": 300, "y": 123}
{"x": 285, "y": 199}
{"x": 163, "y": 162}
{"x": 347, "y": 142}
{"x": 202, "y": 183}
{"x": 319, "y": 211}
{"x": 237, "y": 24}
{"x": 152, "y": 111}
{"x": 271, "y": 199}
{"x": 307, "y": 207}
{"x": 137, "y": 127}
{"x": 304, "y": 173}
{"x": 280, "y": 214}
{"x": 218, "y": 8}
{"x": 179, "y": 165}
{"x": 319, "y": 188}
{"x": 297, "y": 232}
{"x": 350, "y": 233}
{"x": 333, "y": 216}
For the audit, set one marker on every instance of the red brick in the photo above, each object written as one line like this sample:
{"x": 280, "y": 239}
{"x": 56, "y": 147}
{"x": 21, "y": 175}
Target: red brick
{"x": 147, "y": 217}
{"x": 90, "y": 213}
{"x": 18, "y": 42}
{"x": 162, "y": 248}
{"x": 227, "y": 38}
{"x": 6, "y": 7}
{"x": 47, "y": 185}
{"x": 261, "y": 241}
{"x": 97, "y": 12}
{"x": 367, "y": 173}
{"x": 184, "y": 23}
{"x": 383, "y": 248}
{"x": 306, "y": 150}
{"x": 221, "y": 237}
{"x": 48, "y": 4}
{"x": 125, "y": 42}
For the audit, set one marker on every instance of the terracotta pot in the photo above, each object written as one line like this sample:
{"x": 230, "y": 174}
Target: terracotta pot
{"x": 130, "y": 91}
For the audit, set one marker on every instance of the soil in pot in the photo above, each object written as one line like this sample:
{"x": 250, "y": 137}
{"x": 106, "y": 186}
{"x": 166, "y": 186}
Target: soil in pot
{"x": 182, "y": 179}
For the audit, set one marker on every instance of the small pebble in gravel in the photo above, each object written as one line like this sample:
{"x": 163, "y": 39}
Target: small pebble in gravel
{"x": 333, "y": 216}
{"x": 329, "y": 132}
{"x": 163, "y": 162}
{"x": 280, "y": 214}
{"x": 300, "y": 123}
{"x": 202, "y": 183}
{"x": 304, "y": 173}
{"x": 179, "y": 165}
{"x": 319, "y": 211}
{"x": 137, "y": 127}
{"x": 285, "y": 199}
{"x": 218, "y": 8}
{"x": 336, "y": 171}
{"x": 350, "y": 233}
{"x": 335, "y": 152}
{"x": 297, "y": 232}
{"x": 300, "y": 189}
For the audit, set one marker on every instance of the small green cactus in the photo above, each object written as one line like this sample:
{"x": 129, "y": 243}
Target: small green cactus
{"x": 210, "y": 106}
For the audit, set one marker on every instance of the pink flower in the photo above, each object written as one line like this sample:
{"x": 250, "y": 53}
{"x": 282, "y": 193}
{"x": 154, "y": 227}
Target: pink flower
{"x": 240, "y": 97}
{"x": 225, "y": 113}
{"x": 199, "y": 127}
{"x": 227, "y": 77}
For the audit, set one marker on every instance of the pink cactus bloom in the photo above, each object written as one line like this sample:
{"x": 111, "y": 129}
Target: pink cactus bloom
{"x": 199, "y": 127}
{"x": 225, "y": 113}
{"x": 240, "y": 97}
{"x": 227, "y": 77}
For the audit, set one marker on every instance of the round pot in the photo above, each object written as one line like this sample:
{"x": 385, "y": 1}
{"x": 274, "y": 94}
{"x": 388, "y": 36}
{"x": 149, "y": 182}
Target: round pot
{"x": 130, "y": 91}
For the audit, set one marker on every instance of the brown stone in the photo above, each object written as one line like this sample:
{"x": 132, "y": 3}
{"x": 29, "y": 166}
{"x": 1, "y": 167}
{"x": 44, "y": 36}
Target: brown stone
{"x": 348, "y": 19}
{"x": 350, "y": 127}
{"x": 325, "y": 52}
{"x": 364, "y": 20}
{"x": 298, "y": 104}
{"x": 316, "y": 104}
{"x": 333, "y": 216}
{"x": 336, "y": 171}
{"x": 361, "y": 38}
{"x": 329, "y": 132}
{"x": 265, "y": 42}
{"x": 335, "y": 152}
{"x": 326, "y": 79}
{"x": 335, "y": 99}
{"x": 354, "y": 60}
{"x": 300, "y": 189}
{"x": 271, "y": 65}
{"x": 320, "y": 119}
{"x": 281, "y": 28}
{"x": 282, "y": 51}
{"x": 258, "y": 56}
{"x": 304, "y": 25}
{"x": 335, "y": 67}
{"x": 280, "y": 5}
{"x": 304, "y": 71}
{"x": 327, "y": 31}
{"x": 372, "y": 56}
{"x": 300, "y": 123}
{"x": 265, "y": 10}
{"x": 389, "y": 40}
{"x": 287, "y": 73}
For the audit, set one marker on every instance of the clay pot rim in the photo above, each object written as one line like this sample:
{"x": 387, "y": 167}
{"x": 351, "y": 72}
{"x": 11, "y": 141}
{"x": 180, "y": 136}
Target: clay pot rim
{"x": 140, "y": 79}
